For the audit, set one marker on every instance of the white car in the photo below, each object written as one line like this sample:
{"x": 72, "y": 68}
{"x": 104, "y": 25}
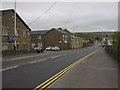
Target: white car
{"x": 48, "y": 48}
{"x": 55, "y": 48}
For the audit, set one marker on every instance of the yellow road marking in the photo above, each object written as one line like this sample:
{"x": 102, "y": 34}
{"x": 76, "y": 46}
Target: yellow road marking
{"x": 59, "y": 74}
{"x": 28, "y": 56}
{"x": 23, "y": 57}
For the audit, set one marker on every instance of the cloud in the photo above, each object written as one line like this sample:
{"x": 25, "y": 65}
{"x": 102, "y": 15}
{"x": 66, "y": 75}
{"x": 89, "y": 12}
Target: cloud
{"x": 87, "y": 16}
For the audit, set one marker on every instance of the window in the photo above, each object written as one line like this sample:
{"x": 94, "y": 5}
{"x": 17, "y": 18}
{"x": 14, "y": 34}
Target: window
{"x": 24, "y": 46}
{"x": 39, "y": 37}
{"x": 39, "y": 44}
{"x": 24, "y": 34}
{"x": 65, "y": 41}
{"x": 4, "y": 47}
{"x": 32, "y": 45}
{"x": 63, "y": 37}
{"x": 28, "y": 33}
{"x": 4, "y": 31}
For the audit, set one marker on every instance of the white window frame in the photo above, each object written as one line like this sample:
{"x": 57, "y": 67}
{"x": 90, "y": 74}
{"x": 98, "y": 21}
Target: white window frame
{"x": 3, "y": 31}
{"x": 28, "y": 33}
{"x": 24, "y": 34}
{"x": 5, "y": 48}
{"x": 39, "y": 37}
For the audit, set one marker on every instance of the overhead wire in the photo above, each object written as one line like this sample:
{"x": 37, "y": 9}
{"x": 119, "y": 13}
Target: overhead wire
{"x": 72, "y": 13}
{"x": 43, "y": 13}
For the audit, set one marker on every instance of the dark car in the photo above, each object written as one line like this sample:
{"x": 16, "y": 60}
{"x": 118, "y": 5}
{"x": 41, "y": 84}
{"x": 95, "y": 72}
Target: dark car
{"x": 39, "y": 50}
{"x": 102, "y": 44}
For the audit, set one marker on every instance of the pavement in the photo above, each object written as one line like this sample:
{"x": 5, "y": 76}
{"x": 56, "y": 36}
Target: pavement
{"x": 97, "y": 71}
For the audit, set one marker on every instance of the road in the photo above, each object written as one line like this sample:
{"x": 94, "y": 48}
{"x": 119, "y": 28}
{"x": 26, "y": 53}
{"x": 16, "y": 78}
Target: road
{"x": 31, "y": 72}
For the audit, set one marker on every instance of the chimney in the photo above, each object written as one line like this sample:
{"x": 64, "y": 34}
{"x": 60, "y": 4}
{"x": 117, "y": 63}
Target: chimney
{"x": 60, "y": 28}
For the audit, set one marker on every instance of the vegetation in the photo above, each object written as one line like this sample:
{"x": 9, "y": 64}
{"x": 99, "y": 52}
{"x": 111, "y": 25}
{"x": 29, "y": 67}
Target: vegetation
{"x": 93, "y": 35}
{"x": 116, "y": 40}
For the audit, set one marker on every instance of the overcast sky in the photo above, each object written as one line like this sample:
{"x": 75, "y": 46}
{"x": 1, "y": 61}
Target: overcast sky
{"x": 75, "y": 16}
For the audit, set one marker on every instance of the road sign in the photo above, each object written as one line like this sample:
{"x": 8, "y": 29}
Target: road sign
{"x": 11, "y": 39}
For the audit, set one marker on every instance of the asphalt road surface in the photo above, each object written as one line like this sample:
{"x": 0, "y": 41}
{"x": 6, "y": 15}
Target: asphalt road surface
{"x": 30, "y": 72}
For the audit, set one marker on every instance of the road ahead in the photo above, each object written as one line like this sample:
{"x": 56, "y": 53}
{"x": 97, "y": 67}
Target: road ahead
{"x": 30, "y": 72}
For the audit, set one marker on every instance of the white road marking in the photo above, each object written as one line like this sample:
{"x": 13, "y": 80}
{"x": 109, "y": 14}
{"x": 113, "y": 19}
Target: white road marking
{"x": 64, "y": 54}
{"x": 55, "y": 56}
{"x": 37, "y": 61}
{"x": 8, "y": 68}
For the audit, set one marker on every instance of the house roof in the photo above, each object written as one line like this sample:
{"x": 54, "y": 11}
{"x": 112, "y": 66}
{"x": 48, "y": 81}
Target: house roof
{"x": 47, "y": 31}
{"x": 67, "y": 31}
{"x": 39, "y": 32}
{"x": 75, "y": 37}
{"x": 60, "y": 30}
{"x": 12, "y": 10}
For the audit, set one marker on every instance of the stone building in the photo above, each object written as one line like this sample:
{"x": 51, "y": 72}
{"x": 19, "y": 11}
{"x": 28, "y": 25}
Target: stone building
{"x": 22, "y": 36}
{"x": 57, "y": 37}
{"x": 75, "y": 42}
{"x": 37, "y": 38}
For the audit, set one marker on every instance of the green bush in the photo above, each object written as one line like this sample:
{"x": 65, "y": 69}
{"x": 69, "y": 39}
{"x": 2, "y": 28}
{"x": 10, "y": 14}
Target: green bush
{"x": 116, "y": 40}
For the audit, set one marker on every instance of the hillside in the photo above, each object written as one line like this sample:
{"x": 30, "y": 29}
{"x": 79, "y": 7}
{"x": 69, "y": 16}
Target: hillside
{"x": 93, "y": 35}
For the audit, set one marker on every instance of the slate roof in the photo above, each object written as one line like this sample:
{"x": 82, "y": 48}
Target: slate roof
{"x": 75, "y": 37}
{"x": 39, "y": 32}
{"x": 60, "y": 30}
{"x": 42, "y": 32}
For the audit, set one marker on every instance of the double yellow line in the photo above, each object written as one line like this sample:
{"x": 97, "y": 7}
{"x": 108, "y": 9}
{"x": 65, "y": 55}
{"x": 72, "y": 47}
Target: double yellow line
{"x": 59, "y": 74}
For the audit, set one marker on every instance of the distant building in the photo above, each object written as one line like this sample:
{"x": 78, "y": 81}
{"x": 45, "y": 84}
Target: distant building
{"x": 22, "y": 36}
{"x": 57, "y": 37}
{"x": 108, "y": 41}
{"x": 37, "y": 38}
{"x": 75, "y": 42}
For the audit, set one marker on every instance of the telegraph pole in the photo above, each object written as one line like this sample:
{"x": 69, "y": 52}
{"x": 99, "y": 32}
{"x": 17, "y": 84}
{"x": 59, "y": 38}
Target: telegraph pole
{"x": 15, "y": 26}
{"x": 73, "y": 38}
{"x": 102, "y": 34}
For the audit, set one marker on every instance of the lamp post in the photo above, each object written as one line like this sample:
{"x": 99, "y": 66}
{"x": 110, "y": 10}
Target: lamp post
{"x": 74, "y": 41}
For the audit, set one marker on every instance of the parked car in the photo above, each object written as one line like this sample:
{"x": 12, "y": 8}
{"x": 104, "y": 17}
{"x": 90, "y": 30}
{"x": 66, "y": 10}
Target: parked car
{"x": 102, "y": 44}
{"x": 48, "y": 48}
{"x": 39, "y": 50}
{"x": 55, "y": 48}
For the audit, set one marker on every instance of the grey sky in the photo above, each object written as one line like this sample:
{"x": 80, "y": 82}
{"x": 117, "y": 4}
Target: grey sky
{"x": 77, "y": 17}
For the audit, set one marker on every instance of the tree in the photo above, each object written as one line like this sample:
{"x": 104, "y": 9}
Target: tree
{"x": 116, "y": 40}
